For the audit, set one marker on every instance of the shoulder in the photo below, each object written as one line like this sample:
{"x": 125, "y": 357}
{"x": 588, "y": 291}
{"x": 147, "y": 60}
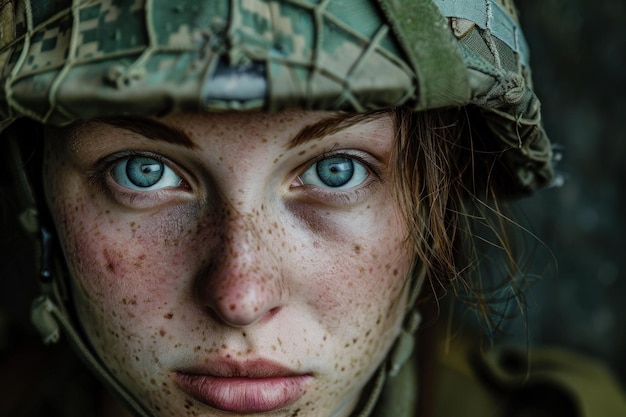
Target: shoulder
{"x": 519, "y": 382}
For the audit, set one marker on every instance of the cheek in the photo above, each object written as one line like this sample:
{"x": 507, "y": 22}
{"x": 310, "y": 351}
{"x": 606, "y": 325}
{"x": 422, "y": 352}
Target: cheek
{"x": 360, "y": 297}
{"x": 128, "y": 280}
{"x": 124, "y": 267}
{"x": 364, "y": 252}
{"x": 361, "y": 275}
{"x": 369, "y": 277}
{"x": 124, "y": 257}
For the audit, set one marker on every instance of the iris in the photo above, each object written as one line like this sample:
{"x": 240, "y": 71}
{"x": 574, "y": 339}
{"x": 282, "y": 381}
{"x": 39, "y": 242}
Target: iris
{"x": 335, "y": 172}
{"x": 144, "y": 172}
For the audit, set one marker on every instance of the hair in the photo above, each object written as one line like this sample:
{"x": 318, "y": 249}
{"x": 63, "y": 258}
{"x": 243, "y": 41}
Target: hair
{"x": 449, "y": 183}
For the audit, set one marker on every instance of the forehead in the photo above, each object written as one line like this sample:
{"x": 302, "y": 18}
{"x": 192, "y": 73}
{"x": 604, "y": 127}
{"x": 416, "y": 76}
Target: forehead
{"x": 299, "y": 126}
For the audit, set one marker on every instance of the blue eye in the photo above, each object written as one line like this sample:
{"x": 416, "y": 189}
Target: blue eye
{"x": 144, "y": 174}
{"x": 335, "y": 172}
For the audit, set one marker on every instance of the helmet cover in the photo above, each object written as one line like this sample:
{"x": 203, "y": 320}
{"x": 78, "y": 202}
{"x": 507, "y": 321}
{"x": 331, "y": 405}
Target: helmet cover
{"x": 64, "y": 60}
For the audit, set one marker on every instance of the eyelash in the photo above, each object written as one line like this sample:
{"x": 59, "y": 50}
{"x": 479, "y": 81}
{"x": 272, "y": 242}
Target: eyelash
{"x": 101, "y": 175}
{"x": 347, "y": 196}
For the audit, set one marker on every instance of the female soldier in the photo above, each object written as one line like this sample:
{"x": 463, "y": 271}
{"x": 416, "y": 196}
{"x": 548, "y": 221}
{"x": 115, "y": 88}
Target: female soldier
{"x": 249, "y": 195}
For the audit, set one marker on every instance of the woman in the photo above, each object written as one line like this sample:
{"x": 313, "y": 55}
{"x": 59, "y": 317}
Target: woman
{"x": 249, "y": 196}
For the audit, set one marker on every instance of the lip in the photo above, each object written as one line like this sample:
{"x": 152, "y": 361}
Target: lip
{"x": 254, "y": 386}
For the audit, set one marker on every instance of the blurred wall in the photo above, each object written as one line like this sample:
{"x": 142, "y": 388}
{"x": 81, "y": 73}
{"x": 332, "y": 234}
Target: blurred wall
{"x": 578, "y": 55}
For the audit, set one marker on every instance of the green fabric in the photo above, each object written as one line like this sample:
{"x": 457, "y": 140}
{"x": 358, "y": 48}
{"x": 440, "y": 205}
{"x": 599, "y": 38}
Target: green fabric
{"x": 78, "y": 60}
{"x": 505, "y": 382}
{"x": 431, "y": 50}
{"x": 490, "y": 15}
{"x": 74, "y": 60}
{"x": 589, "y": 386}
{"x": 399, "y": 397}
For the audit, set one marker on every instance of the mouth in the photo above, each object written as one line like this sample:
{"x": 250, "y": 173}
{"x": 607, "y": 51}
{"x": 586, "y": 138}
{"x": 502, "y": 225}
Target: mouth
{"x": 243, "y": 387}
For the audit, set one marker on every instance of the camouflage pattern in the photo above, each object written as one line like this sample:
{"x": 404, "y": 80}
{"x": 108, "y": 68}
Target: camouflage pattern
{"x": 64, "y": 60}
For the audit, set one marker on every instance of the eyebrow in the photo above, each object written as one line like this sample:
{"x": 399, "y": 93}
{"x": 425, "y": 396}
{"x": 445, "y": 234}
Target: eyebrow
{"x": 332, "y": 124}
{"x": 152, "y": 129}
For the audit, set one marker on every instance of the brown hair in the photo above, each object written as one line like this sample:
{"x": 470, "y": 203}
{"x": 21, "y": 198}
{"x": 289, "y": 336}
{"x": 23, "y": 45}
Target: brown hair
{"x": 449, "y": 181}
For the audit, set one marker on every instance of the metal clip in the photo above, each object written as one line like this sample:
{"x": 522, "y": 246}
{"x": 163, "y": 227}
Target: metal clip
{"x": 42, "y": 317}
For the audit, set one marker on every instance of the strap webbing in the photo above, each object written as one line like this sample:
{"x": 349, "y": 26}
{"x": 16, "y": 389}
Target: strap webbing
{"x": 441, "y": 71}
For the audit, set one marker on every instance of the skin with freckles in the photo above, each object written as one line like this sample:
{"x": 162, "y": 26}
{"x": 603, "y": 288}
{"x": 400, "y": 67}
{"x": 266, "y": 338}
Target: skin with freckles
{"x": 238, "y": 254}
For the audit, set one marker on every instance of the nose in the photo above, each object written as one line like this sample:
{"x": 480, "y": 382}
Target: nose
{"x": 242, "y": 284}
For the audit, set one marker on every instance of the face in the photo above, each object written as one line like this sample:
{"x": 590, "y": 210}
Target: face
{"x": 234, "y": 264}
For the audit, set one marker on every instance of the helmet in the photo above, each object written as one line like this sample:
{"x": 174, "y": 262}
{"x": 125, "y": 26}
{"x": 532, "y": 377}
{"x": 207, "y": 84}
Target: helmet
{"x": 63, "y": 61}
{"x": 69, "y": 60}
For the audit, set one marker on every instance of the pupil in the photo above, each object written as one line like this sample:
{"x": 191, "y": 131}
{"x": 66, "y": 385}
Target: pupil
{"x": 144, "y": 172}
{"x": 335, "y": 172}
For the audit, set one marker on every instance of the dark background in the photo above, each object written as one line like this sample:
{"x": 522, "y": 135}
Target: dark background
{"x": 578, "y": 56}
{"x": 578, "y": 48}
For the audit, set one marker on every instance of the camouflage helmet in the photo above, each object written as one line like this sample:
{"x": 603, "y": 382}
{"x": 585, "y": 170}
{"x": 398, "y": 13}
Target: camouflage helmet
{"x": 67, "y": 60}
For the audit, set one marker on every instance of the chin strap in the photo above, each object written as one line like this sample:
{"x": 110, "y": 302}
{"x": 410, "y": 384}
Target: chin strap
{"x": 376, "y": 387}
{"x": 397, "y": 358}
{"x": 405, "y": 343}
{"x": 401, "y": 351}
{"x": 49, "y": 317}
{"x": 49, "y": 313}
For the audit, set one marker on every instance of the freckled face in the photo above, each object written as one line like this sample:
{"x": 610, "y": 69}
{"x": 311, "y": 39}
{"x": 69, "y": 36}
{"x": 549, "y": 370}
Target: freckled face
{"x": 235, "y": 273}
